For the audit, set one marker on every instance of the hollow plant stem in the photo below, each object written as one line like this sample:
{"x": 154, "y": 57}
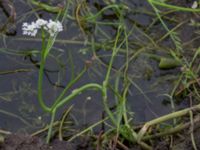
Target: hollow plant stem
{"x": 106, "y": 81}
{"x": 176, "y": 8}
{"x": 41, "y": 74}
{"x": 165, "y": 118}
{"x": 77, "y": 92}
{"x": 67, "y": 99}
{"x": 68, "y": 86}
{"x": 53, "y": 113}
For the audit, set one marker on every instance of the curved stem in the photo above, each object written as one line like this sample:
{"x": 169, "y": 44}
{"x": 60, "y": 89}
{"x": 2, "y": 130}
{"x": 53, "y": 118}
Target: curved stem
{"x": 165, "y": 118}
{"x": 41, "y": 74}
{"x": 105, "y": 83}
{"x": 51, "y": 125}
{"x": 76, "y": 92}
{"x": 68, "y": 86}
{"x": 53, "y": 109}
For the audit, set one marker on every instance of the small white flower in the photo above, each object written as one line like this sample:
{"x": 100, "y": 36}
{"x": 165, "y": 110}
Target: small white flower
{"x": 194, "y": 5}
{"x": 40, "y": 23}
{"x": 29, "y": 29}
{"x": 89, "y": 98}
{"x": 54, "y": 27}
{"x": 39, "y": 117}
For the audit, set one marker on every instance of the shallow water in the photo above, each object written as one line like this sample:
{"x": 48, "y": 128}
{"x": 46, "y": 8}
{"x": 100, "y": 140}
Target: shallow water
{"x": 19, "y": 109}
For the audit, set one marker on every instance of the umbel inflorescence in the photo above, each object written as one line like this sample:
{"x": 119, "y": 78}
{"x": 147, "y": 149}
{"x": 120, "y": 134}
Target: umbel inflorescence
{"x": 52, "y": 27}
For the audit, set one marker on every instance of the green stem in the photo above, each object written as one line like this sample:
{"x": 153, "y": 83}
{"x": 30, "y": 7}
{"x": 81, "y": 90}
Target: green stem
{"x": 68, "y": 86}
{"x": 176, "y": 8}
{"x": 171, "y": 33}
{"x": 124, "y": 105}
{"x": 53, "y": 9}
{"x": 105, "y": 83}
{"x": 41, "y": 74}
{"x": 51, "y": 125}
{"x": 76, "y": 92}
{"x": 102, "y": 10}
{"x": 62, "y": 123}
{"x": 165, "y": 118}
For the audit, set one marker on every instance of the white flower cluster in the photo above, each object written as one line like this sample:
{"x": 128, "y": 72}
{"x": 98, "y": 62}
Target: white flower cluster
{"x": 52, "y": 27}
{"x": 194, "y": 5}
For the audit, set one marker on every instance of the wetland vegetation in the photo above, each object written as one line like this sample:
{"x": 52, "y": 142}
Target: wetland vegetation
{"x": 100, "y": 74}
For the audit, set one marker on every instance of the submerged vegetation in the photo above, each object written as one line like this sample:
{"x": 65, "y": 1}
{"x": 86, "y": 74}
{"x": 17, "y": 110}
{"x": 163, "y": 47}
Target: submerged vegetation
{"x": 120, "y": 44}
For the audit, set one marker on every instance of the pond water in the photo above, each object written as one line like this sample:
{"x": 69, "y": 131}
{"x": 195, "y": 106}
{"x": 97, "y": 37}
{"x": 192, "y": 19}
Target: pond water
{"x": 19, "y": 108}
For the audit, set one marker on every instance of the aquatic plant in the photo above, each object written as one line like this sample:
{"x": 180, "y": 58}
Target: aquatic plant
{"x": 119, "y": 118}
{"x": 52, "y": 27}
